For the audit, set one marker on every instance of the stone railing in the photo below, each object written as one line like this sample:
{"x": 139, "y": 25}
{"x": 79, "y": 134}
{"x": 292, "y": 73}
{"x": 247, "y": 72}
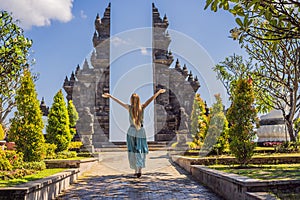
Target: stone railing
{"x": 42, "y": 189}
{"x": 232, "y": 160}
{"x": 232, "y": 186}
{"x": 49, "y": 187}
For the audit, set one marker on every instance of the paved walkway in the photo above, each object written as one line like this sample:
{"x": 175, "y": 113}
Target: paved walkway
{"x": 113, "y": 179}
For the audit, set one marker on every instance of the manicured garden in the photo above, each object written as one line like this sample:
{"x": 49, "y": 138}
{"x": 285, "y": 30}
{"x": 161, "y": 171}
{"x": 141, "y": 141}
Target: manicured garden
{"x": 14, "y": 170}
{"x": 25, "y": 160}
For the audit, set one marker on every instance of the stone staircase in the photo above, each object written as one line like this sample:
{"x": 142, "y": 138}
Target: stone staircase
{"x": 121, "y": 146}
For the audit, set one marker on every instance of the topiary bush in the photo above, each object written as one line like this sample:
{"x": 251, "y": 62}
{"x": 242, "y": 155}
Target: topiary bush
{"x": 58, "y": 130}
{"x": 75, "y": 146}
{"x": 50, "y": 151}
{"x": 242, "y": 117}
{"x": 2, "y": 134}
{"x": 12, "y": 165}
{"x": 26, "y": 128}
{"x": 10, "y": 160}
{"x": 18, "y": 173}
{"x": 38, "y": 166}
{"x": 4, "y": 162}
{"x": 288, "y": 147}
{"x": 216, "y": 140}
{"x": 15, "y": 158}
{"x": 199, "y": 121}
{"x": 66, "y": 154}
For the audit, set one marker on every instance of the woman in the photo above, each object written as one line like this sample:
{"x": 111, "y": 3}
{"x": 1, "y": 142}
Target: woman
{"x": 136, "y": 136}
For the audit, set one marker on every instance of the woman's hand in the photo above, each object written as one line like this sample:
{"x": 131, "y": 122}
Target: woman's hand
{"x": 106, "y": 95}
{"x": 162, "y": 91}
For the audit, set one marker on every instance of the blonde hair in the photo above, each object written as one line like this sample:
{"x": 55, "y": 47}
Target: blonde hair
{"x": 136, "y": 110}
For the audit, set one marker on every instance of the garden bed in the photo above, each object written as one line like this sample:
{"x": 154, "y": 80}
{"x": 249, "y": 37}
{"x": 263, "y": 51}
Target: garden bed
{"x": 258, "y": 159}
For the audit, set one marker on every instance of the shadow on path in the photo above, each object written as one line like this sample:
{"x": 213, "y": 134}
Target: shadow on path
{"x": 168, "y": 182}
{"x": 149, "y": 186}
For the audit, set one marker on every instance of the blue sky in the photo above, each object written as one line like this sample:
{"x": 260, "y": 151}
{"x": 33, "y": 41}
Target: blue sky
{"x": 62, "y": 32}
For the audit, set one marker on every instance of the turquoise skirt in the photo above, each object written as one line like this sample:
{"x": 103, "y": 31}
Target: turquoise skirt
{"x": 137, "y": 147}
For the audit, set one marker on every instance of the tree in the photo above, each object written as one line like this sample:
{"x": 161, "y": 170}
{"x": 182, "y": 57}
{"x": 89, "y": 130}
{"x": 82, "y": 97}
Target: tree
{"x": 14, "y": 48}
{"x": 241, "y": 116}
{"x": 199, "y": 121}
{"x": 26, "y": 128}
{"x": 2, "y": 133}
{"x": 216, "y": 139}
{"x": 277, "y": 20}
{"x": 58, "y": 128}
{"x": 73, "y": 117}
{"x": 235, "y": 67}
{"x": 277, "y": 77}
{"x": 297, "y": 129}
{"x": 270, "y": 33}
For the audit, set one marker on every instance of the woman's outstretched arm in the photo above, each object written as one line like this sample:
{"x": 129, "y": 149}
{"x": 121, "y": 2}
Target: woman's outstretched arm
{"x": 153, "y": 97}
{"x": 107, "y": 95}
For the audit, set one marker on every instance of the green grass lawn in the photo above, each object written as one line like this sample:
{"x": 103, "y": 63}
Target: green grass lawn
{"x": 255, "y": 155}
{"x": 264, "y": 172}
{"x": 25, "y": 179}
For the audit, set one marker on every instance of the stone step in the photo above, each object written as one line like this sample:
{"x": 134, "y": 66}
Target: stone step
{"x": 125, "y": 149}
{"x": 121, "y": 146}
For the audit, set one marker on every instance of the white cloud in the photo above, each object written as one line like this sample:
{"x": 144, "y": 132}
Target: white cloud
{"x": 144, "y": 51}
{"x": 83, "y": 15}
{"x": 116, "y": 41}
{"x": 38, "y": 12}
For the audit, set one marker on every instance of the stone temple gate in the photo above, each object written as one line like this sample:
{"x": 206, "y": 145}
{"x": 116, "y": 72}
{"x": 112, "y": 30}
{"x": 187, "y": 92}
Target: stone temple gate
{"x": 91, "y": 80}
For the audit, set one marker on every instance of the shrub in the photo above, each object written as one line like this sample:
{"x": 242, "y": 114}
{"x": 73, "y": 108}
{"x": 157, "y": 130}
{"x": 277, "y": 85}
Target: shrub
{"x": 242, "y": 116}
{"x": 199, "y": 121}
{"x": 73, "y": 117}
{"x": 10, "y": 160}
{"x": 15, "y": 158}
{"x": 75, "y": 146}
{"x": 38, "y": 166}
{"x": 66, "y": 154}
{"x": 4, "y": 162}
{"x": 50, "y": 151}
{"x": 216, "y": 140}
{"x": 2, "y": 134}
{"x": 58, "y": 130}
{"x": 193, "y": 145}
{"x": 27, "y": 124}
{"x": 18, "y": 173}
{"x": 85, "y": 154}
{"x": 288, "y": 147}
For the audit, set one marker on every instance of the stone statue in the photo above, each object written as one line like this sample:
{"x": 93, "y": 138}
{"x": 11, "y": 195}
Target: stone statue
{"x": 184, "y": 120}
{"x": 85, "y": 128}
{"x": 183, "y": 129}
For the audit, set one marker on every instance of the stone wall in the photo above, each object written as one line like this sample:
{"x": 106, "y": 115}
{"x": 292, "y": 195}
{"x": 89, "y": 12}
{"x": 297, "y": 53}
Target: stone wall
{"x": 179, "y": 84}
{"x": 86, "y": 86}
{"x": 43, "y": 189}
{"x": 232, "y": 186}
{"x": 230, "y": 161}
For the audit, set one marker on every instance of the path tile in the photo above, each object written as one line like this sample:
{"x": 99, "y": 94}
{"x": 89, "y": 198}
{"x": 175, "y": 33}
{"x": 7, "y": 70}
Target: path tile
{"x": 113, "y": 179}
